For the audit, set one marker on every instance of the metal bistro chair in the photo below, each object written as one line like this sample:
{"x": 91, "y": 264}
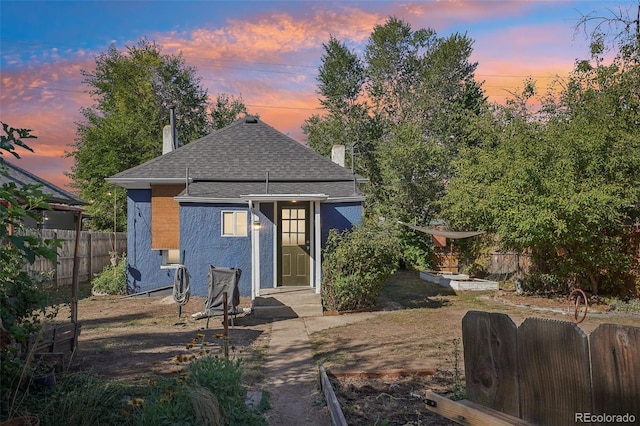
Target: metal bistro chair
{"x": 221, "y": 280}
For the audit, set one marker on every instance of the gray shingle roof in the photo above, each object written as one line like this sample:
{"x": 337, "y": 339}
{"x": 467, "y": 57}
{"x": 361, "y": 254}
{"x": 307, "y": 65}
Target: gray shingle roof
{"x": 234, "y": 189}
{"x": 234, "y": 161}
{"x": 54, "y": 193}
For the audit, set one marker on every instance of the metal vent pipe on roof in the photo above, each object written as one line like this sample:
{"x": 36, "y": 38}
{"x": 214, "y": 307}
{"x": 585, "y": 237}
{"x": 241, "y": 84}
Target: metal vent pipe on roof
{"x": 266, "y": 189}
{"x": 172, "y": 122}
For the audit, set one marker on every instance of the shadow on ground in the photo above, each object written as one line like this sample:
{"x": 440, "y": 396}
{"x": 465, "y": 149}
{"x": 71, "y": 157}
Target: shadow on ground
{"x": 140, "y": 353}
{"x": 405, "y": 290}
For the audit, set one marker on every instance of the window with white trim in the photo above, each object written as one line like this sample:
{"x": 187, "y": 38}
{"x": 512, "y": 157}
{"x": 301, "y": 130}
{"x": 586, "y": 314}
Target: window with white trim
{"x": 234, "y": 223}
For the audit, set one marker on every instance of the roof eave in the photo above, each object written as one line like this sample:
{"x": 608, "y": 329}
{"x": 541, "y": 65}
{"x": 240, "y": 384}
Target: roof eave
{"x": 144, "y": 183}
{"x": 284, "y": 197}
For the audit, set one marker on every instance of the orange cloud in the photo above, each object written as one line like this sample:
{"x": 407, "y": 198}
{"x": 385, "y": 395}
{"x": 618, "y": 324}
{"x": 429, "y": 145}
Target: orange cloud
{"x": 271, "y": 36}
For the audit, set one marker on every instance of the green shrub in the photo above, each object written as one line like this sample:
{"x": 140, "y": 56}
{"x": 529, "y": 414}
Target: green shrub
{"x": 222, "y": 377}
{"x": 112, "y": 280}
{"x": 81, "y": 399}
{"x": 416, "y": 250}
{"x": 167, "y": 403}
{"x": 627, "y": 306}
{"x": 24, "y": 303}
{"x": 207, "y": 391}
{"x": 544, "y": 284}
{"x": 356, "y": 264}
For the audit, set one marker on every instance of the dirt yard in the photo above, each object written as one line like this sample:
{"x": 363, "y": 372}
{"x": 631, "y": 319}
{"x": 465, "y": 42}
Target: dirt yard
{"x": 417, "y": 326}
{"x": 131, "y": 339}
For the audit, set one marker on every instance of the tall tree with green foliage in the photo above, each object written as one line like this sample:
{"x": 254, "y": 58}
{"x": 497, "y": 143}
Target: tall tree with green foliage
{"x": 562, "y": 184}
{"x": 424, "y": 91}
{"x": 133, "y": 90}
{"x": 406, "y": 104}
{"x": 341, "y": 81}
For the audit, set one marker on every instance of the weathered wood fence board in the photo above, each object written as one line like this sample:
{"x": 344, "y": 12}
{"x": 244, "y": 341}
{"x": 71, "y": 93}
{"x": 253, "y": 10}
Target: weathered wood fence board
{"x": 59, "y": 341}
{"x": 553, "y": 369}
{"x": 490, "y": 348}
{"x": 615, "y": 361}
{"x": 559, "y": 370}
{"x": 93, "y": 254}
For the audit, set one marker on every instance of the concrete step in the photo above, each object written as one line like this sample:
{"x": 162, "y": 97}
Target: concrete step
{"x": 287, "y": 302}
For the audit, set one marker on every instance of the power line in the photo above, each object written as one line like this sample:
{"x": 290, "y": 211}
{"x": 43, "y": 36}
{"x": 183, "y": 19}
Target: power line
{"x": 284, "y": 107}
{"x": 47, "y": 88}
{"x": 261, "y": 70}
{"x": 53, "y": 89}
{"x": 86, "y": 92}
{"x": 249, "y": 62}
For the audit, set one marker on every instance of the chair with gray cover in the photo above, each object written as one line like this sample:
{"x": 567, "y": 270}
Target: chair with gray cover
{"x": 221, "y": 280}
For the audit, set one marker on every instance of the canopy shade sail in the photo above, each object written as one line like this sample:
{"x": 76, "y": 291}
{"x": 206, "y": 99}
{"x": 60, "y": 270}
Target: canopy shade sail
{"x": 454, "y": 235}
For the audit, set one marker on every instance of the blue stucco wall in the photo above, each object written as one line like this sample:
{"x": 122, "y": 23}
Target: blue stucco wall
{"x": 200, "y": 238}
{"x": 266, "y": 214}
{"x": 144, "y": 271}
{"x": 339, "y": 216}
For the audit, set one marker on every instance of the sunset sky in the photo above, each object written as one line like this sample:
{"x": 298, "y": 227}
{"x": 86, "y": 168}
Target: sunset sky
{"x": 268, "y": 52}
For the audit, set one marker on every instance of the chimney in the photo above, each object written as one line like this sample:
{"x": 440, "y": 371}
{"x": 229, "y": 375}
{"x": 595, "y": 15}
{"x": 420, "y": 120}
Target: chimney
{"x": 167, "y": 140}
{"x": 337, "y": 154}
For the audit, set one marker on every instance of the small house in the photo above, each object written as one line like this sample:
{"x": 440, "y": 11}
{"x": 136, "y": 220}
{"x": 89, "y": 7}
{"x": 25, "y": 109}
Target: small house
{"x": 245, "y": 196}
{"x": 63, "y": 205}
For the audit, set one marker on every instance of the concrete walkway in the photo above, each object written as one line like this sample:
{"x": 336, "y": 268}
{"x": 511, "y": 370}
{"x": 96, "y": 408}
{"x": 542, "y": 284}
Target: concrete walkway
{"x": 292, "y": 373}
{"x": 292, "y": 377}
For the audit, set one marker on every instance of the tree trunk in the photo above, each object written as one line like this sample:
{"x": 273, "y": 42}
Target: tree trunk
{"x": 594, "y": 284}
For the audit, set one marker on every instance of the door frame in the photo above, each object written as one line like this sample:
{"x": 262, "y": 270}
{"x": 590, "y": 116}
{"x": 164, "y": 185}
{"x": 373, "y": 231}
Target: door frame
{"x": 310, "y": 237}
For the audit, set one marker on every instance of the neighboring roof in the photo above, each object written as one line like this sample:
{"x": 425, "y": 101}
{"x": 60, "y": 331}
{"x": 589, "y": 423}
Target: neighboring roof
{"x": 234, "y": 161}
{"x": 454, "y": 235}
{"x": 54, "y": 193}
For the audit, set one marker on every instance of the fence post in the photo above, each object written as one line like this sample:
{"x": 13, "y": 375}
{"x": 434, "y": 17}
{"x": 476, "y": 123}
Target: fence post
{"x": 90, "y": 244}
{"x": 57, "y": 264}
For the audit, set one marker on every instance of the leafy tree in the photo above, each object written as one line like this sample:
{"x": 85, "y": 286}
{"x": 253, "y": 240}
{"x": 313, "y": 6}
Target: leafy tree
{"x": 341, "y": 82}
{"x": 407, "y": 104}
{"x": 22, "y": 301}
{"x": 423, "y": 89}
{"x": 133, "y": 91}
{"x": 226, "y": 110}
{"x": 562, "y": 184}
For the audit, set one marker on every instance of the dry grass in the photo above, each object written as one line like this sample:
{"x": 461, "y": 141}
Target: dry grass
{"x": 418, "y": 321}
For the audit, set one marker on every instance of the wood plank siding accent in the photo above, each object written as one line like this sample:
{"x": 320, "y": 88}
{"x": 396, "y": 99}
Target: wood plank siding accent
{"x": 165, "y": 217}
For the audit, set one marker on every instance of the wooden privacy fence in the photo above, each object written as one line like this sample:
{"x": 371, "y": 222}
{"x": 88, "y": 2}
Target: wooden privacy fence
{"x": 550, "y": 372}
{"x": 93, "y": 254}
{"x": 509, "y": 263}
